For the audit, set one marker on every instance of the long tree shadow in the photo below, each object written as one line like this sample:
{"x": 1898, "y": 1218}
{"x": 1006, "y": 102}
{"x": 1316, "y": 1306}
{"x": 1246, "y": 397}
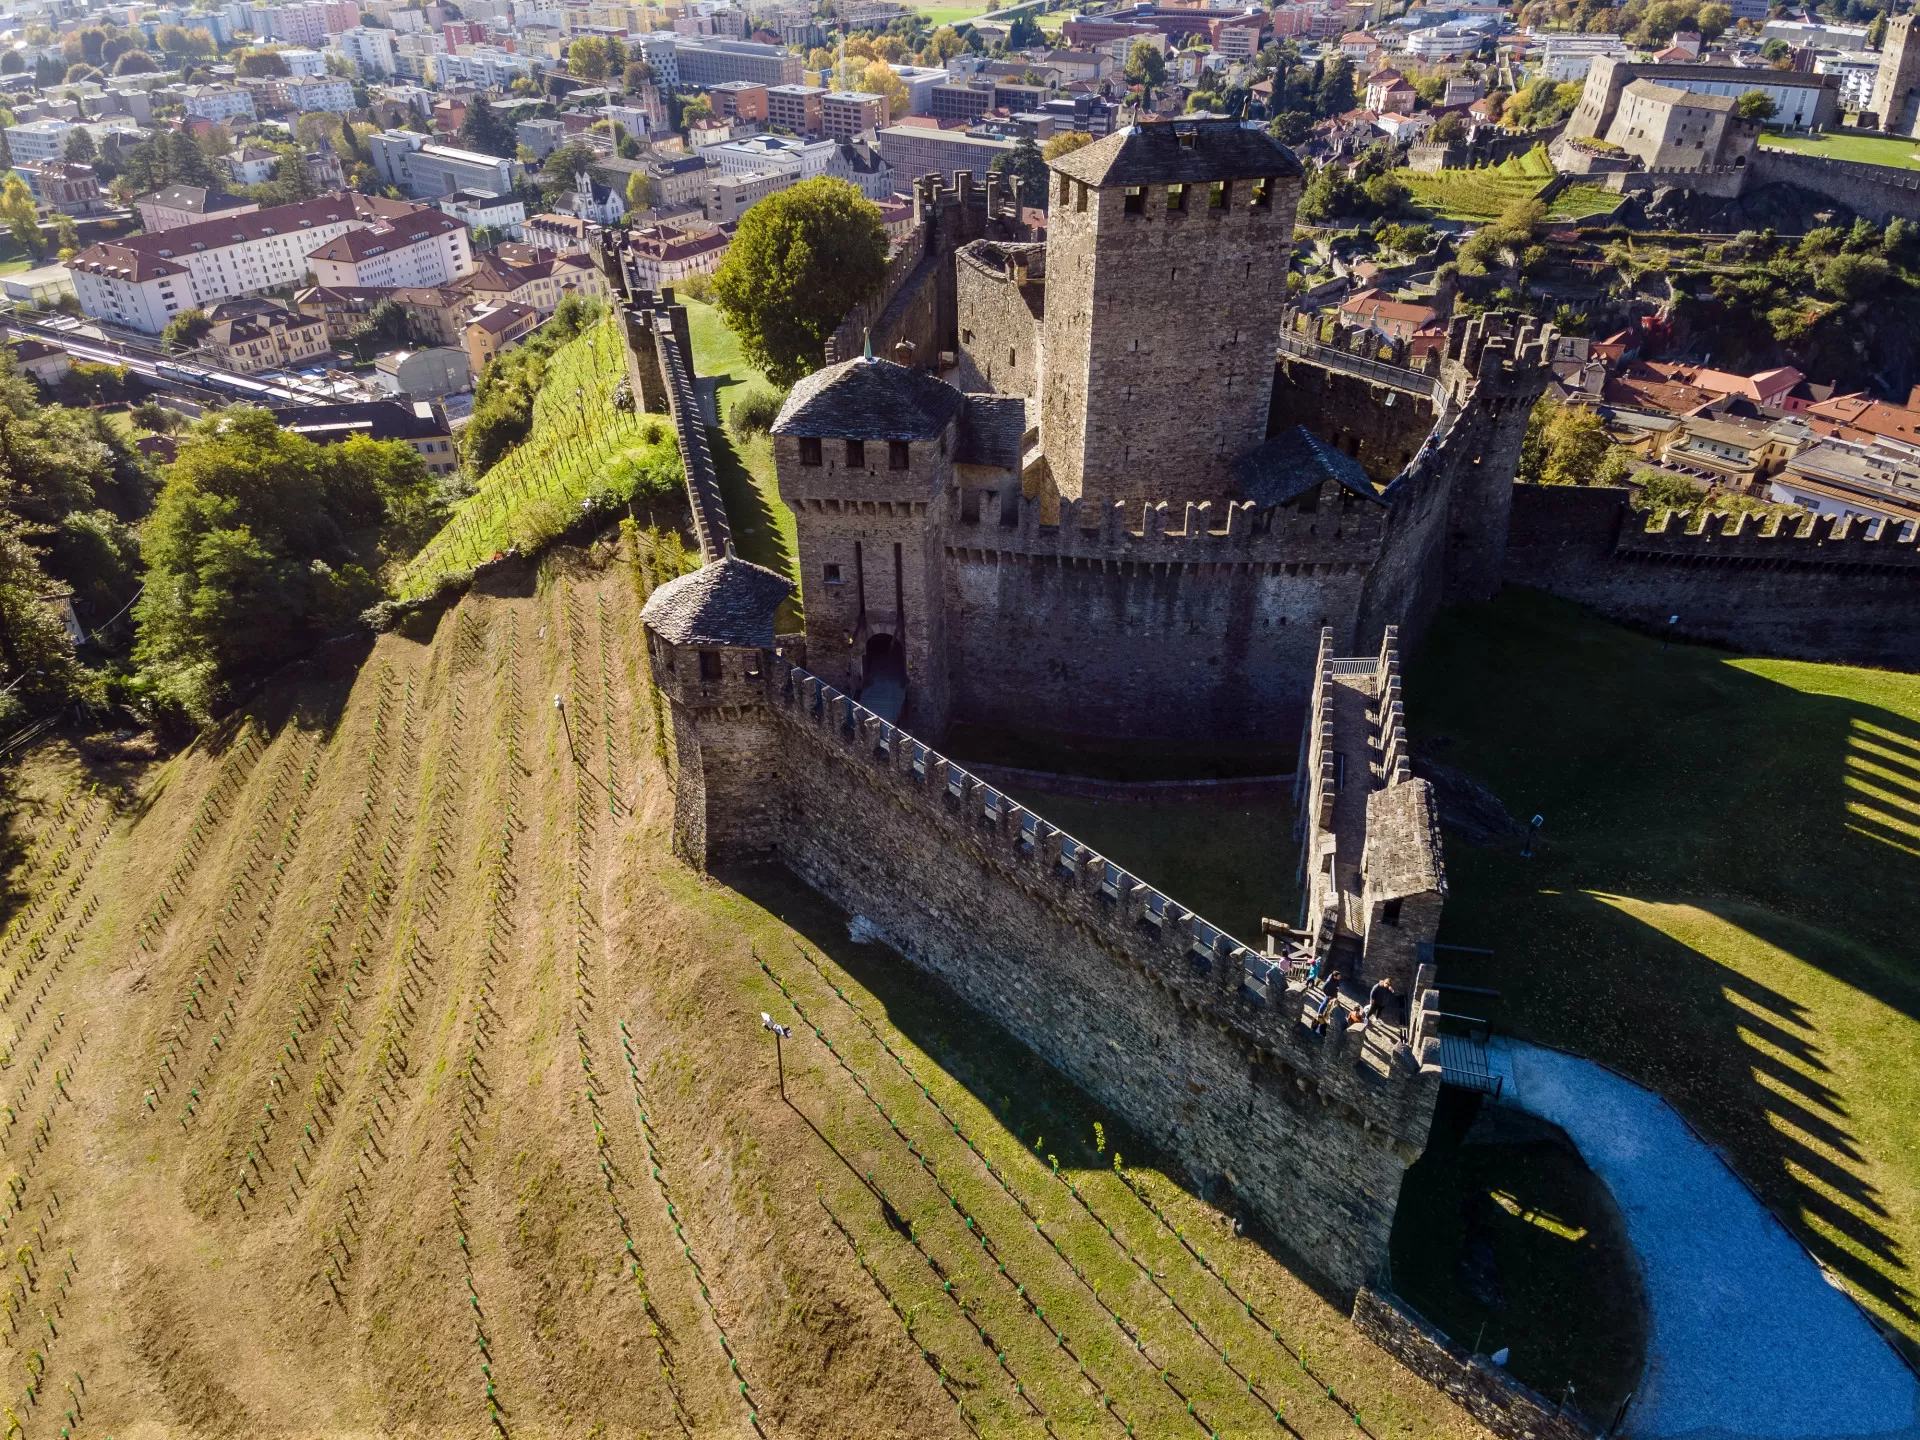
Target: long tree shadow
{"x": 1720, "y": 906}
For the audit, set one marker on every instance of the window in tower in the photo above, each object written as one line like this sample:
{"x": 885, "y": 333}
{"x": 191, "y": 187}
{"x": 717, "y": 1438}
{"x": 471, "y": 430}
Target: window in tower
{"x": 1136, "y": 200}
{"x": 809, "y": 450}
{"x": 1176, "y": 199}
{"x": 856, "y": 454}
{"x": 1220, "y": 195}
{"x": 1080, "y": 198}
{"x": 1262, "y": 195}
{"x": 898, "y": 457}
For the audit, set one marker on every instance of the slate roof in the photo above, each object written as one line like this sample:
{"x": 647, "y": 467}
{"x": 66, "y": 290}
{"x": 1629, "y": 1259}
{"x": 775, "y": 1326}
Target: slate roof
{"x": 729, "y": 602}
{"x": 1402, "y": 855}
{"x": 1292, "y": 463}
{"x": 869, "y": 400}
{"x": 1154, "y": 154}
{"x": 991, "y": 429}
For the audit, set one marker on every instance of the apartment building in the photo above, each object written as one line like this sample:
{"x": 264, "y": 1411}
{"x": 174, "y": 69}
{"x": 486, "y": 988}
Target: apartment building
{"x": 849, "y": 114}
{"x": 305, "y": 94}
{"x": 419, "y": 247}
{"x": 540, "y": 283}
{"x": 249, "y": 336}
{"x": 915, "y": 150}
{"x": 494, "y": 330}
{"x": 666, "y": 254}
{"x": 488, "y": 66}
{"x": 143, "y": 281}
{"x": 962, "y": 102}
{"x": 739, "y": 100}
{"x": 306, "y": 24}
{"x": 405, "y": 160}
{"x": 861, "y": 165}
{"x": 369, "y": 50}
{"x": 731, "y": 196}
{"x": 180, "y": 205}
{"x": 506, "y": 214}
{"x": 796, "y": 108}
{"x": 218, "y": 103}
{"x": 708, "y": 62}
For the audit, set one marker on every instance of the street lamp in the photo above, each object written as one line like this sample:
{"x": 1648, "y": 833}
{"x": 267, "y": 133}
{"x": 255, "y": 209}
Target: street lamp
{"x": 567, "y": 725}
{"x": 1533, "y": 829}
{"x": 780, "y": 1032}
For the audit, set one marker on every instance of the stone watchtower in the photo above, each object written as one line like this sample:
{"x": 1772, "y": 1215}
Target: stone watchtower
{"x": 1896, "y": 89}
{"x": 866, "y": 452}
{"x": 710, "y": 648}
{"x": 1166, "y": 272}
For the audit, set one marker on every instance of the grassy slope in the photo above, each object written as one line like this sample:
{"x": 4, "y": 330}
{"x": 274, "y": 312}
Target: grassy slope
{"x": 1484, "y": 194}
{"x": 1723, "y": 903}
{"x": 763, "y": 528}
{"x": 1869, "y": 149}
{"x": 579, "y": 447}
{"x": 481, "y": 930}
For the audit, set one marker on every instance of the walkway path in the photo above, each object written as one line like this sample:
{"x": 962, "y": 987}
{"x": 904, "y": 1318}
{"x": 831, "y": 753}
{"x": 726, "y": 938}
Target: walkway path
{"x": 1748, "y": 1340}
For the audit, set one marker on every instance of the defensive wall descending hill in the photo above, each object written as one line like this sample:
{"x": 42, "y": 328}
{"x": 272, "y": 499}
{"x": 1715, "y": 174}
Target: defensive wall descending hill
{"x": 1827, "y": 589}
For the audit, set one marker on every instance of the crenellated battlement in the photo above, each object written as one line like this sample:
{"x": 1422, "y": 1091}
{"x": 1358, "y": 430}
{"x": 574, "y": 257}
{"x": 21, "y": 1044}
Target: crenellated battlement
{"x": 1203, "y": 970}
{"x": 1340, "y": 528}
{"x": 1816, "y": 540}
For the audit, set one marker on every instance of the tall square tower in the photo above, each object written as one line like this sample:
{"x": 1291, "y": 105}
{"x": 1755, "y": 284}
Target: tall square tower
{"x": 1167, "y": 250}
{"x": 1896, "y": 89}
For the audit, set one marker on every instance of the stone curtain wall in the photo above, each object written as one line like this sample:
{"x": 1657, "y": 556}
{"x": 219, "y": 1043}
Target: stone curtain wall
{"x": 1140, "y": 1002}
{"x": 1837, "y": 592}
{"x": 1175, "y": 631}
{"x": 1878, "y": 192}
{"x": 1481, "y": 1388}
{"x": 1350, "y": 414}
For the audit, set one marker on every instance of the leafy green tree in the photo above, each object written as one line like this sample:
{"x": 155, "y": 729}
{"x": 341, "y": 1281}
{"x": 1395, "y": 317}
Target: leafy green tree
{"x": 186, "y": 165}
{"x": 1291, "y": 127}
{"x": 1335, "y": 93}
{"x": 38, "y": 662}
{"x": 639, "y": 191}
{"x": 1328, "y": 194}
{"x": 1028, "y": 170}
{"x": 1065, "y": 143}
{"x": 1854, "y": 277}
{"x": 186, "y": 330}
{"x": 1146, "y": 66}
{"x": 801, "y": 259}
{"x": 80, "y": 149}
{"x": 1577, "y": 444}
{"x": 386, "y": 327}
{"x": 135, "y": 62}
{"x": 485, "y": 130}
{"x": 592, "y": 58}
{"x": 1756, "y": 105}
{"x": 260, "y": 546}
{"x": 22, "y": 216}
{"x": 260, "y": 64}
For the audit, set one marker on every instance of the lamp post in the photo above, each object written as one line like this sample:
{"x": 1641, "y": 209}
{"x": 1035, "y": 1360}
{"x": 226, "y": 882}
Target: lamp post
{"x": 1533, "y": 829}
{"x": 567, "y": 725}
{"x": 780, "y": 1032}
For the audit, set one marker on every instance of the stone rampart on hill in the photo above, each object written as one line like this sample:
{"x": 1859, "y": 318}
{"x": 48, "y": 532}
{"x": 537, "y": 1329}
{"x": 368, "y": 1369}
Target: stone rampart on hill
{"x": 1148, "y": 1007}
{"x": 1831, "y": 590}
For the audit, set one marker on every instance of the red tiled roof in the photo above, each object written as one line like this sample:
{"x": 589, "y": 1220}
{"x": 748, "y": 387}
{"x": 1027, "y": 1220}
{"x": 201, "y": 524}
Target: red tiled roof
{"x": 160, "y": 248}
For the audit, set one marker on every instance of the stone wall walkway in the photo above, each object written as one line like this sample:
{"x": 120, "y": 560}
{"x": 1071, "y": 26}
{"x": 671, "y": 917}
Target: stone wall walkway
{"x": 1748, "y": 1340}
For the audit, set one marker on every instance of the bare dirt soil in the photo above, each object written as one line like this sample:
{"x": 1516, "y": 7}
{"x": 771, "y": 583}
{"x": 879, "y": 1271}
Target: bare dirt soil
{"x": 372, "y": 1068}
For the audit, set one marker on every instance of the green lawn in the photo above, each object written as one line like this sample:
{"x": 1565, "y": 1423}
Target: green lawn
{"x": 1869, "y": 149}
{"x": 948, "y": 14}
{"x": 1722, "y": 904}
{"x": 1472, "y": 195}
{"x": 763, "y": 529}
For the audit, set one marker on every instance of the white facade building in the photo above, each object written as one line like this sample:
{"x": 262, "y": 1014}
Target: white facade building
{"x": 1569, "y": 57}
{"x": 425, "y": 247}
{"x": 143, "y": 281}
{"x": 303, "y": 62}
{"x": 370, "y": 51}
{"x": 488, "y": 66}
{"x": 773, "y": 154}
{"x": 218, "y": 102}
{"x": 329, "y": 93}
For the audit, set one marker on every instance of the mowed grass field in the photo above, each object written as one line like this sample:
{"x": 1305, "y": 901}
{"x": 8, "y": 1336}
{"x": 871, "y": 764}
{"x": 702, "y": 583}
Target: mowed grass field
{"x": 373, "y": 1069}
{"x": 763, "y": 527}
{"x": 1722, "y": 903}
{"x": 1838, "y": 145}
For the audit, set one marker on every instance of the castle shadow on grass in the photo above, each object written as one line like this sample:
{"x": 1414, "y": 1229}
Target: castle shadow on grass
{"x": 1721, "y": 905}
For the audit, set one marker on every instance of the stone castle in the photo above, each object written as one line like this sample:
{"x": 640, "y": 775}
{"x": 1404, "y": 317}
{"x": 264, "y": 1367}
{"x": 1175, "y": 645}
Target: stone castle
{"x": 1111, "y": 485}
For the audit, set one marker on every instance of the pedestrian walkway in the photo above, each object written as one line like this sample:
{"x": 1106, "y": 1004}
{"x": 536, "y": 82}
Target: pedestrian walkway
{"x": 1747, "y": 1338}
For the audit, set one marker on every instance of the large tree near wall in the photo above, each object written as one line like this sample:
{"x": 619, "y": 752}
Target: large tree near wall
{"x": 800, "y": 261}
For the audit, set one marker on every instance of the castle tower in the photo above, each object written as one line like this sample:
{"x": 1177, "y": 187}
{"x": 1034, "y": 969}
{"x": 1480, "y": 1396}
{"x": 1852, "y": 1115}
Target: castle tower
{"x": 1896, "y": 89}
{"x": 1167, "y": 250}
{"x": 710, "y": 649}
{"x": 864, "y": 451}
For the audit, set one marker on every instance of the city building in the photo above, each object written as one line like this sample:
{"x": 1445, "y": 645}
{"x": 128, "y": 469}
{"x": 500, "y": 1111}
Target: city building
{"x": 541, "y": 136}
{"x": 370, "y": 51}
{"x": 665, "y": 254}
{"x": 405, "y": 160}
{"x": 47, "y": 139}
{"x": 731, "y": 196}
{"x": 328, "y": 93}
{"x": 249, "y": 336}
{"x": 1874, "y": 481}
{"x": 420, "y": 425}
{"x": 739, "y": 100}
{"x": 796, "y": 108}
{"x": 489, "y": 66}
{"x": 497, "y": 329}
{"x": 218, "y": 103}
{"x": 758, "y": 154}
{"x": 63, "y": 186}
{"x": 424, "y": 374}
{"x": 860, "y": 164}
{"x": 143, "y": 281}
{"x": 1565, "y": 58}
{"x": 849, "y": 114}
{"x": 420, "y": 247}
{"x": 704, "y": 62}
{"x": 540, "y": 281}
{"x": 915, "y": 150}
{"x": 506, "y": 214}
{"x": 179, "y": 205}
